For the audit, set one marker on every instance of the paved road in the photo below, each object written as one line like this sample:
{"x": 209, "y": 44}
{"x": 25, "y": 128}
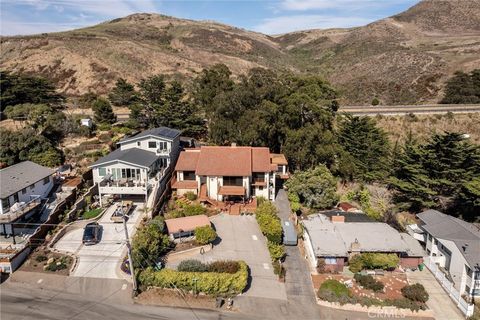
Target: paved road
{"x": 406, "y": 109}
{"x": 442, "y": 306}
{"x": 241, "y": 239}
{"x": 102, "y": 259}
{"x": 23, "y": 301}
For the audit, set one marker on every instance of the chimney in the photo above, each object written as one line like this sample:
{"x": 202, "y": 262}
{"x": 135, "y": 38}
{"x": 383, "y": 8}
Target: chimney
{"x": 234, "y": 144}
{"x": 338, "y": 218}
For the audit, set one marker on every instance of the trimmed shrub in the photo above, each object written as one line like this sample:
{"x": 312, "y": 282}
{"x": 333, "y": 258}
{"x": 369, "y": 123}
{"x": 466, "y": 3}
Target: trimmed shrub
{"x": 211, "y": 283}
{"x": 279, "y": 269}
{"x": 380, "y": 260}
{"x": 373, "y": 261}
{"x": 335, "y": 287}
{"x": 191, "y": 196}
{"x": 335, "y": 291}
{"x": 277, "y": 251}
{"x": 225, "y": 266}
{"x": 369, "y": 282}
{"x": 415, "y": 292}
{"x": 192, "y": 265}
{"x": 205, "y": 234}
{"x": 355, "y": 264}
{"x": 269, "y": 222}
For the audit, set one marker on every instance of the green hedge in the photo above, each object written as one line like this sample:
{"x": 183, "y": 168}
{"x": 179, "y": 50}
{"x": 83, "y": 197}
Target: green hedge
{"x": 269, "y": 222}
{"x": 373, "y": 261}
{"x": 205, "y": 234}
{"x": 211, "y": 283}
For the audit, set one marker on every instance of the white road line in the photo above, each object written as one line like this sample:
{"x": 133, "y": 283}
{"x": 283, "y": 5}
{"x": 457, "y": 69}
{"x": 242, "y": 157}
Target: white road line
{"x": 266, "y": 266}
{"x": 254, "y": 237}
{"x": 40, "y": 281}
{"x": 124, "y": 286}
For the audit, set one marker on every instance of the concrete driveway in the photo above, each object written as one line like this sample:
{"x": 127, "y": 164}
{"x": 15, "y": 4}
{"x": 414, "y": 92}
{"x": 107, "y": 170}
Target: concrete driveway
{"x": 103, "y": 259}
{"x": 439, "y": 302}
{"x": 241, "y": 239}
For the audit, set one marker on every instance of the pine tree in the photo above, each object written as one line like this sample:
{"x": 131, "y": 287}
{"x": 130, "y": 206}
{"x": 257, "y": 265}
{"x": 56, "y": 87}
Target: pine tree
{"x": 103, "y": 112}
{"x": 368, "y": 145}
{"x": 123, "y": 94}
{"x": 410, "y": 179}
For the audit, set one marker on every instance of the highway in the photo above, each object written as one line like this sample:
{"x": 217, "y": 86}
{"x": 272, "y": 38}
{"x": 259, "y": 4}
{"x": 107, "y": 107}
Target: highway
{"x": 399, "y": 110}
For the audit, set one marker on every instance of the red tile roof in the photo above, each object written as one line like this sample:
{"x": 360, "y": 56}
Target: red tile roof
{"x": 187, "y": 161}
{"x": 260, "y": 160}
{"x": 278, "y": 158}
{"x": 185, "y": 184}
{"x": 186, "y": 223}
{"x": 226, "y": 161}
{"x": 231, "y": 191}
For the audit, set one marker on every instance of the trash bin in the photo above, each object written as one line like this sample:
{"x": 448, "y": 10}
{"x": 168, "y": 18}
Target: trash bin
{"x": 421, "y": 266}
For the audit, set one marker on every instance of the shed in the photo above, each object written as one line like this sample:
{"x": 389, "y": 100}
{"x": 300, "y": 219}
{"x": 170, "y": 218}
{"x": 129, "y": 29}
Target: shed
{"x": 185, "y": 226}
{"x": 289, "y": 234}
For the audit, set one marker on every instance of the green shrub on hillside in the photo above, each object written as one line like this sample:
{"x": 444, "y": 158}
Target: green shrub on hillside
{"x": 369, "y": 282}
{"x": 415, "y": 292}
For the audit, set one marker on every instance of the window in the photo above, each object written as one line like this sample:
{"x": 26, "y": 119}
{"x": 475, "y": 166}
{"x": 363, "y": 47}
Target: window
{"x": 5, "y": 205}
{"x": 260, "y": 188}
{"x": 467, "y": 290}
{"x": 469, "y": 271}
{"x": 24, "y": 190}
{"x": 188, "y": 175}
{"x": 15, "y": 198}
{"x": 233, "y": 181}
{"x": 429, "y": 237}
{"x": 32, "y": 186}
{"x": 162, "y": 145}
{"x": 46, "y": 180}
{"x": 102, "y": 172}
{"x": 330, "y": 260}
{"x": 138, "y": 143}
{"x": 152, "y": 144}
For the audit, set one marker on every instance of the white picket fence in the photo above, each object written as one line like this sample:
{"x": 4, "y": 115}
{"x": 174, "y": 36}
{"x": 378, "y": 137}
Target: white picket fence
{"x": 464, "y": 306}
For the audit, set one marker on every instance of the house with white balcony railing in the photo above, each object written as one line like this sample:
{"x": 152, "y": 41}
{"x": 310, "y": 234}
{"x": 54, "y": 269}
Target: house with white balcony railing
{"x": 23, "y": 186}
{"x": 453, "y": 245}
{"x": 138, "y": 164}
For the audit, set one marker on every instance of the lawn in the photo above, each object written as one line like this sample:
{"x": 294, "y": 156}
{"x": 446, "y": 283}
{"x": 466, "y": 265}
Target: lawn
{"x": 91, "y": 213}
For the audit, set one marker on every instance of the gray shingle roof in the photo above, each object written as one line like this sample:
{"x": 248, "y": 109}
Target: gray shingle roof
{"x": 162, "y": 132}
{"x": 335, "y": 239}
{"x": 450, "y": 228}
{"x": 134, "y": 155}
{"x": 20, "y": 176}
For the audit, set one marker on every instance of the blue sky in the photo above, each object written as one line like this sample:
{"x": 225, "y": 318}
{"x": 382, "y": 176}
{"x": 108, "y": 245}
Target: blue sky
{"x": 271, "y": 17}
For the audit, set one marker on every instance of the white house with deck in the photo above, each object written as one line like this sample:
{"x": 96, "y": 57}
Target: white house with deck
{"x": 23, "y": 186}
{"x": 138, "y": 163}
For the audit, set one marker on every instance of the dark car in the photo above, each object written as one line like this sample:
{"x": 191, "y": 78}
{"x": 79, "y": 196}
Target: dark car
{"x": 91, "y": 233}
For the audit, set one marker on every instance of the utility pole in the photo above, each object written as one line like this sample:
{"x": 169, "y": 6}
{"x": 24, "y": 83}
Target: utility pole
{"x": 129, "y": 251}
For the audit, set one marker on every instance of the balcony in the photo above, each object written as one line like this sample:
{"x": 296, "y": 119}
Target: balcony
{"x": 163, "y": 151}
{"x": 21, "y": 210}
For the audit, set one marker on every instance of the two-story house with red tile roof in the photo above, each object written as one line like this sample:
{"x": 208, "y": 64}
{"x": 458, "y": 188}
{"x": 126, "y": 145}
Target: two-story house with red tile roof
{"x": 228, "y": 173}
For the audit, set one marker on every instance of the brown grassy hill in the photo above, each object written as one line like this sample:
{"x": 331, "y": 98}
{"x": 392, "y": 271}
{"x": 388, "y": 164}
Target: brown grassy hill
{"x": 402, "y": 59}
{"x": 135, "y": 47}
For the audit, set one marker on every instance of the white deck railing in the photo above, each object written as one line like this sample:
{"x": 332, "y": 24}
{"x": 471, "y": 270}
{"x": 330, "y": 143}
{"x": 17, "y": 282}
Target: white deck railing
{"x": 464, "y": 306}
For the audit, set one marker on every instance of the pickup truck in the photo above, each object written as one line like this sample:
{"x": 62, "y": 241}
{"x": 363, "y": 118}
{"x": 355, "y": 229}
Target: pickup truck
{"x": 123, "y": 208}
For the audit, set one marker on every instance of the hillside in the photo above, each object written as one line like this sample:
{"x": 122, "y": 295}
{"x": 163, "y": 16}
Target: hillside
{"x": 402, "y": 59}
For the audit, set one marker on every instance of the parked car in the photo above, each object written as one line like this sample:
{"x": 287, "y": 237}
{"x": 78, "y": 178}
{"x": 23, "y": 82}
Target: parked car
{"x": 91, "y": 233}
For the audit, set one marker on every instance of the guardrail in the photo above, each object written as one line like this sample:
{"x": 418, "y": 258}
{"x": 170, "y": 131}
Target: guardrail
{"x": 463, "y": 305}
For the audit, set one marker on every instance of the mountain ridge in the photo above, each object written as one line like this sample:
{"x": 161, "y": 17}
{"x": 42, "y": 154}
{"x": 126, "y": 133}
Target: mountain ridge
{"x": 399, "y": 59}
